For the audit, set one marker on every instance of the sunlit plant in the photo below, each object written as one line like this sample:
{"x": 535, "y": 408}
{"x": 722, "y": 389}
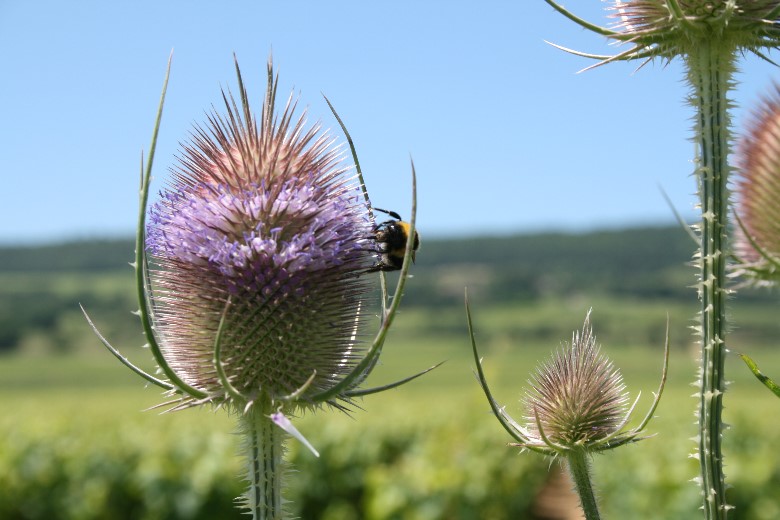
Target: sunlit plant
{"x": 709, "y": 36}
{"x": 577, "y": 406}
{"x": 757, "y": 186}
{"x": 252, "y": 279}
{"x": 757, "y": 241}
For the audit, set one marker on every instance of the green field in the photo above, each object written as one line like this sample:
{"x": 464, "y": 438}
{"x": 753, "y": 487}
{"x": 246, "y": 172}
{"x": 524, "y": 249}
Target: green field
{"x": 78, "y": 443}
{"x": 79, "y": 440}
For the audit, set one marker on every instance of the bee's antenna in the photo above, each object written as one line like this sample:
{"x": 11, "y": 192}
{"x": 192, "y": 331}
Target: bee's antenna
{"x": 391, "y": 213}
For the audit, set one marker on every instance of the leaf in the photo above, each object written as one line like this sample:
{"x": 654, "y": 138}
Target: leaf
{"x": 771, "y": 385}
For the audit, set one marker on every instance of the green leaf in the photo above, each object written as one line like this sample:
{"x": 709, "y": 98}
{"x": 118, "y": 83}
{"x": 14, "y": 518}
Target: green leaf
{"x": 761, "y": 377}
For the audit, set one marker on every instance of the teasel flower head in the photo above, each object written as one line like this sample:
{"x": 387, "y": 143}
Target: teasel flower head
{"x": 577, "y": 398}
{"x": 757, "y": 243}
{"x": 260, "y": 241}
{"x": 252, "y": 277}
{"x": 577, "y": 401}
{"x": 252, "y": 267}
{"x": 669, "y": 28}
{"x": 576, "y": 406}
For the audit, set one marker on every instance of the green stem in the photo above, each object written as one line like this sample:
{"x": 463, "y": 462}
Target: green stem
{"x": 710, "y": 72}
{"x": 580, "y": 473}
{"x": 264, "y": 444}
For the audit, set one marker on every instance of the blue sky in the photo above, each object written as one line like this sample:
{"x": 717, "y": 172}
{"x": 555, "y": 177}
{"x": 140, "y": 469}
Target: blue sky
{"x": 505, "y": 135}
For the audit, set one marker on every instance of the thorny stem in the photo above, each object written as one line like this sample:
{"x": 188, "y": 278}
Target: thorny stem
{"x": 580, "y": 473}
{"x": 264, "y": 450}
{"x": 710, "y": 69}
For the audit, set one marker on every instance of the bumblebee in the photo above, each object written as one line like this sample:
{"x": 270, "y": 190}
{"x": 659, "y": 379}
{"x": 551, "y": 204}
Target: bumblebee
{"x": 391, "y": 237}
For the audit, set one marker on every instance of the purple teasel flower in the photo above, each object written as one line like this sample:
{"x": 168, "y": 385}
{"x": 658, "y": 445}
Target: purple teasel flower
{"x": 253, "y": 278}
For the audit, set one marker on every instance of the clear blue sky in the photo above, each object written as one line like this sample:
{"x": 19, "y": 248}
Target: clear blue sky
{"x": 505, "y": 136}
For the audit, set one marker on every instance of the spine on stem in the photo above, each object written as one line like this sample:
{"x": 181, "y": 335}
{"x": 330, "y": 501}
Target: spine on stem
{"x": 710, "y": 73}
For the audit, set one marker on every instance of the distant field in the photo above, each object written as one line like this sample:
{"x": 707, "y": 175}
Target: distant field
{"x": 524, "y": 288}
{"x": 90, "y": 408}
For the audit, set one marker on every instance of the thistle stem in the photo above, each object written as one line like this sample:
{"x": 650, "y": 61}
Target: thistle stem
{"x": 264, "y": 443}
{"x": 710, "y": 70}
{"x": 580, "y": 473}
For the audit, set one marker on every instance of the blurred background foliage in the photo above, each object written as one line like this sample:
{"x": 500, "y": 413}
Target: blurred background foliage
{"x": 80, "y": 443}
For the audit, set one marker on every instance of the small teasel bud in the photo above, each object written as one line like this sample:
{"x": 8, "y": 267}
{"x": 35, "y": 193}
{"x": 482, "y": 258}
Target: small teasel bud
{"x": 757, "y": 243}
{"x": 577, "y": 405}
{"x": 577, "y": 398}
